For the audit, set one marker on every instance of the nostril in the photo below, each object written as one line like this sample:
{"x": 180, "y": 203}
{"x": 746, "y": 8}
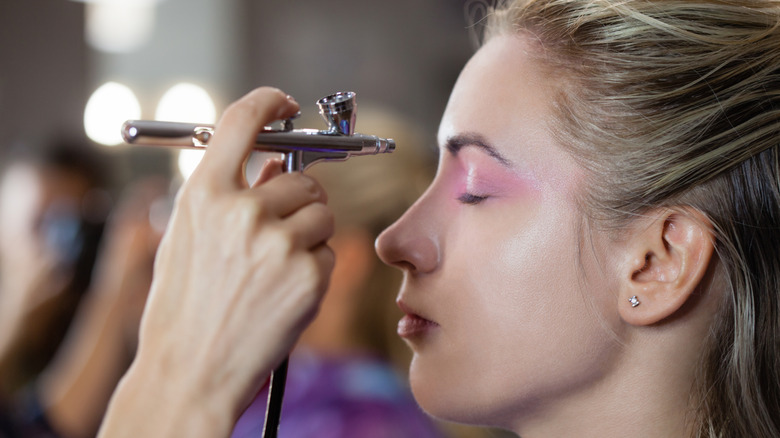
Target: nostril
{"x": 415, "y": 255}
{"x": 404, "y": 266}
{"x": 392, "y": 252}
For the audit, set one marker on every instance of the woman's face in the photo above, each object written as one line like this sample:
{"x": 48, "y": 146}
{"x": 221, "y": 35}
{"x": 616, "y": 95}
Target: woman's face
{"x": 505, "y": 318}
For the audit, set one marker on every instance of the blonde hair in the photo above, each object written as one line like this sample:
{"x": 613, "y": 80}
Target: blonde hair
{"x": 677, "y": 102}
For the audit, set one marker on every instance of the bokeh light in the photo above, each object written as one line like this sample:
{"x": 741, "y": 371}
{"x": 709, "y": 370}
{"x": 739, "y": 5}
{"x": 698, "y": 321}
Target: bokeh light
{"x": 185, "y": 102}
{"x": 107, "y": 108}
{"x": 119, "y": 26}
{"x": 188, "y": 160}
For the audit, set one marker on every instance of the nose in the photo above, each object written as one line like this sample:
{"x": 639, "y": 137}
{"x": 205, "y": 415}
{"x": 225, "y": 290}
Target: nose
{"x": 412, "y": 242}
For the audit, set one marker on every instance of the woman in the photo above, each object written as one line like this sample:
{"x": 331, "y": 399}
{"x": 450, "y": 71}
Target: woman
{"x": 597, "y": 255}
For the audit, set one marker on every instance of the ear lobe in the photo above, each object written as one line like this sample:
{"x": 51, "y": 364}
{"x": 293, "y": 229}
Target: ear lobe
{"x": 667, "y": 257}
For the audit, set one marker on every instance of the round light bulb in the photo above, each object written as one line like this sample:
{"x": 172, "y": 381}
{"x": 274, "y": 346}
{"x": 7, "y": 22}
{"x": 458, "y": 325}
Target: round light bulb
{"x": 107, "y": 109}
{"x": 185, "y": 102}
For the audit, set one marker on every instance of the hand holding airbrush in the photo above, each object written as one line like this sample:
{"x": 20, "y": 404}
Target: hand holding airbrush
{"x": 300, "y": 149}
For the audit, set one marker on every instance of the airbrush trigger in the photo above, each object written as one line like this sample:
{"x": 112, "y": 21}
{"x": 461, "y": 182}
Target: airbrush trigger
{"x": 287, "y": 124}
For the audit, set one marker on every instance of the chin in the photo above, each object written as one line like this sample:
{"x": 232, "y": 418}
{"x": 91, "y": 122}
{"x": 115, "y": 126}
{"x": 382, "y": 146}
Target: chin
{"x": 462, "y": 410}
{"x": 451, "y": 401}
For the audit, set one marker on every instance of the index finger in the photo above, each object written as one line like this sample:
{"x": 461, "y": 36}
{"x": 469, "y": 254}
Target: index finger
{"x": 235, "y": 133}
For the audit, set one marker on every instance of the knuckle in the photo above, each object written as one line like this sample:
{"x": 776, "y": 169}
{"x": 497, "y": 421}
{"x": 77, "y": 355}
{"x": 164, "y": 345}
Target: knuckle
{"x": 259, "y": 105}
{"x": 235, "y": 109}
{"x": 268, "y": 93}
{"x": 245, "y": 212}
{"x": 329, "y": 218}
{"x": 250, "y": 109}
{"x": 247, "y": 107}
{"x": 261, "y": 101}
{"x": 279, "y": 239}
{"x": 193, "y": 194}
{"x": 256, "y": 206}
{"x": 310, "y": 272}
{"x": 315, "y": 189}
{"x": 324, "y": 216}
{"x": 330, "y": 258}
{"x": 308, "y": 184}
{"x": 301, "y": 183}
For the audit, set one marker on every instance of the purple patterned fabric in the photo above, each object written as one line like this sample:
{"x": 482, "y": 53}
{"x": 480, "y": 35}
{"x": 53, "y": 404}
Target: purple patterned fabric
{"x": 341, "y": 398}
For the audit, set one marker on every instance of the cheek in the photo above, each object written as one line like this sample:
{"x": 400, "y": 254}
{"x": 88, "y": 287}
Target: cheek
{"x": 521, "y": 326}
{"x": 519, "y": 261}
{"x": 528, "y": 283}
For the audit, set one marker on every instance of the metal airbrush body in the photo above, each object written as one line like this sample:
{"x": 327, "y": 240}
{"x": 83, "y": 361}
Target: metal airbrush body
{"x": 301, "y": 147}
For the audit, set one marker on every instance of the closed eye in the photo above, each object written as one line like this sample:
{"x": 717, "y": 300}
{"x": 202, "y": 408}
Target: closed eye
{"x": 468, "y": 198}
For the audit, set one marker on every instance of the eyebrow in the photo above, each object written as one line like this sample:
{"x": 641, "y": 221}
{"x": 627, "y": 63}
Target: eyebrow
{"x": 456, "y": 143}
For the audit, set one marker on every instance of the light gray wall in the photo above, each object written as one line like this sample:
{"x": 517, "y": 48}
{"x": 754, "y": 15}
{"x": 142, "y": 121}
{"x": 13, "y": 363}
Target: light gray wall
{"x": 43, "y": 67}
{"x": 400, "y": 54}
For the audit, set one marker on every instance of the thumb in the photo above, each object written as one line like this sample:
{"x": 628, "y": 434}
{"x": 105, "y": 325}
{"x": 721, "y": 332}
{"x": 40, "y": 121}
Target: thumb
{"x": 235, "y": 133}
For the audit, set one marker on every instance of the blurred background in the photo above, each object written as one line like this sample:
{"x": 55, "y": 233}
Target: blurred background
{"x": 79, "y": 205}
{"x": 188, "y": 59}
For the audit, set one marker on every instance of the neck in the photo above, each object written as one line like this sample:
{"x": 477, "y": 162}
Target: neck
{"x": 648, "y": 394}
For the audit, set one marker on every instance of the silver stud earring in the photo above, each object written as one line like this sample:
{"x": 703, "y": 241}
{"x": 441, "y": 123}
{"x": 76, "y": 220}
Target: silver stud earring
{"x": 634, "y": 301}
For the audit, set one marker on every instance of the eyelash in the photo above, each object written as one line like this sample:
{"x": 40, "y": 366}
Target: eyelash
{"x": 468, "y": 198}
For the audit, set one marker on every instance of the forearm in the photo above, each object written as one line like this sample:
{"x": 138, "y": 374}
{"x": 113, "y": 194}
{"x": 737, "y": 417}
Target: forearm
{"x": 77, "y": 387}
{"x": 9, "y": 329}
{"x": 23, "y": 324}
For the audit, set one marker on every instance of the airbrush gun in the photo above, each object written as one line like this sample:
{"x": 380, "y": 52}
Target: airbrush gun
{"x": 300, "y": 147}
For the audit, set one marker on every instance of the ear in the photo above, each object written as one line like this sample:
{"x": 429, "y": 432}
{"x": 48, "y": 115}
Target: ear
{"x": 667, "y": 255}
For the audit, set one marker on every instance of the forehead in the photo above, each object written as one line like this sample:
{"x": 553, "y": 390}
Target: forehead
{"x": 505, "y": 94}
{"x": 503, "y": 85}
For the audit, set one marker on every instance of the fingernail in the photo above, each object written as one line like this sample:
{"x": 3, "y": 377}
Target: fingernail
{"x": 291, "y": 99}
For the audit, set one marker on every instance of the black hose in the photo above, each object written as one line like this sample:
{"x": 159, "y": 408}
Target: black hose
{"x": 273, "y": 410}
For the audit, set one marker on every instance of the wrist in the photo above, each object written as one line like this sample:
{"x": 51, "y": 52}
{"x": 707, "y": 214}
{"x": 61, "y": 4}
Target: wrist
{"x": 151, "y": 401}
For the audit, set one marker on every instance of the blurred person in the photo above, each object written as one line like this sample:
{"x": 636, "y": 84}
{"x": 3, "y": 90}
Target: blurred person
{"x": 68, "y": 397}
{"x": 53, "y": 202}
{"x": 74, "y": 390}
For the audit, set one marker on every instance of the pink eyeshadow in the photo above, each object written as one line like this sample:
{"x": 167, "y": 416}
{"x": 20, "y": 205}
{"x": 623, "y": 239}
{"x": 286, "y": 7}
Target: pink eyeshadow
{"x": 480, "y": 174}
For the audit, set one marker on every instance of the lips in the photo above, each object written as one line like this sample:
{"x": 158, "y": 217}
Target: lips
{"x": 412, "y": 324}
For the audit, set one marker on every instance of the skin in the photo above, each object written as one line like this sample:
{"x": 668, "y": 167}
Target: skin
{"x": 27, "y": 191}
{"x": 77, "y": 385}
{"x": 34, "y": 275}
{"x": 506, "y": 265}
{"x": 239, "y": 274}
{"x": 532, "y": 337}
